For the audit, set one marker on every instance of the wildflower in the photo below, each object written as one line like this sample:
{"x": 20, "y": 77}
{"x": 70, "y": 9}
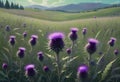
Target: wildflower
{"x": 111, "y": 42}
{"x": 82, "y": 72}
{"x": 4, "y": 66}
{"x": 73, "y": 34}
{"x": 116, "y": 52}
{"x": 7, "y": 28}
{"x": 91, "y": 47}
{"x": 21, "y": 52}
{"x": 56, "y": 42}
{"x": 24, "y": 25}
{"x": 92, "y": 62}
{"x": 84, "y": 31}
{"x": 33, "y": 40}
{"x": 25, "y": 34}
{"x": 12, "y": 40}
{"x": 40, "y": 56}
{"x": 46, "y": 68}
{"x": 30, "y": 70}
{"x": 68, "y": 51}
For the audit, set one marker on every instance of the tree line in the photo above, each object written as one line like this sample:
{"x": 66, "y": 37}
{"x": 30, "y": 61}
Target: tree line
{"x": 9, "y": 5}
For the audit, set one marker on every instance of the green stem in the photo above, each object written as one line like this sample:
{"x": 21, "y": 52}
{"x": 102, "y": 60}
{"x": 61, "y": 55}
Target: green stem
{"x": 72, "y": 49}
{"x": 99, "y": 60}
{"x": 58, "y": 66}
{"x": 20, "y": 70}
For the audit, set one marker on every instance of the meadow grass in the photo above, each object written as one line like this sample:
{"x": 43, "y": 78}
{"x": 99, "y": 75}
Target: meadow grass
{"x": 63, "y": 16}
{"x": 100, "y": 28}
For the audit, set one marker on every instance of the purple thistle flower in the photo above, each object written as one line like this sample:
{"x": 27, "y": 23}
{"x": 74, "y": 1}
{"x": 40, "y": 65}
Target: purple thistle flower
{"x": 91, "y": 47}
{"x": 56, "y": 42}
{"x": 21, "y": 52}
{"x": 40, "y": 56}
{"x": 68, "y": 51}
{"x": 46, "y": 68}
{"x": 12, "y": 40}
{"x": 84, "y": 31}
{"x": 33, "y": 40}
{"x": 4, "y": 66}
{"x": 25, "y": 34}
{"x": 73, "y": 34}
{"x": 7, "y": 28}
{"x": 82, "y": 72}
{"x": 111, "y": 42}
{"x": 116, "y": 51}
{"x": 30, "y": 70}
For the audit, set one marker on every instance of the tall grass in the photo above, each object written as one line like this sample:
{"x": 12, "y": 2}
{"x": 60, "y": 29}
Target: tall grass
{"x": 99, "y": 28}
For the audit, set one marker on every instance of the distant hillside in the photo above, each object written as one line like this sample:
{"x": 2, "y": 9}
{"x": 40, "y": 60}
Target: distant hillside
{"x": 80, "y": 7}
{"x": 73, "y": 7}
{"x": 64, "y": 16}
{"x": 37, "y": 7}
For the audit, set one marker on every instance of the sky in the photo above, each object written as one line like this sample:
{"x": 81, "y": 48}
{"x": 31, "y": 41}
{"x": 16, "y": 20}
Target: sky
{"x": 50, "y": 3}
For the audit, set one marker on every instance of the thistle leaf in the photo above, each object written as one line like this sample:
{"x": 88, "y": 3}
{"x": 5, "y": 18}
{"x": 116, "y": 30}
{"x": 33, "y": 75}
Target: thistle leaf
{"x": 107, "y": 71}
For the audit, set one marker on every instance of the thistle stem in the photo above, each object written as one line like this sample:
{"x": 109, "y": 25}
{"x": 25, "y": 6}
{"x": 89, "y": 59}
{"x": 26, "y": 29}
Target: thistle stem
{"x": 20, "y": 69}
{"x": 58, "y": 66}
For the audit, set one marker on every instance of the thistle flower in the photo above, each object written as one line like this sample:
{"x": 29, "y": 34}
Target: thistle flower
{"x": 24, "y": 25}
{"x": 82, "y": 72}
{"x": 116, "y": 51}
{"x": 7, "y": 28}
{"x": 111, "y": 42}
{"x": 91, "y": 47}
{"x": 33, "y": 40}
{"x": 84, "y": 31}
{"x": 68, "y": 51}
{"x": 46, "y": 68}
{"x": 40, "y": 56}
{"x": 92, "y": 62}
{"x": 12, "y": 40}
{"x": 25, "y": 34}
{"x": 30, "y": 70}
{"x": 21, "y": 52}
{"x": 4, "y": 66}
{"x": 73, "y": 34}
{"x": 56, "y": 42}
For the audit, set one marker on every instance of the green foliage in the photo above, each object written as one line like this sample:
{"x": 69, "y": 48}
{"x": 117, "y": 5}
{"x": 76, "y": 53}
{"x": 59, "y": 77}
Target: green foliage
{"x": 99, "y": 28}
{"x": 107, "y": 71}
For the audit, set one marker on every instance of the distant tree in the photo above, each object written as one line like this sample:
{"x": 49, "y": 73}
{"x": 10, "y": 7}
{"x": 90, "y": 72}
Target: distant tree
{"x": 21, "y": 7}
{"x": 12, "y": 5}
{"x": 16, "y": 6}
{"x": 1, "y": 4}
{"x": 7, "y": 4}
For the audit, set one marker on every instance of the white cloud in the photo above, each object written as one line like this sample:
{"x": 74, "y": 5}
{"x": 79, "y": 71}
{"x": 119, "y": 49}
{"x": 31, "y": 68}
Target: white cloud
{"x": 57, "y": 2}
{"x": 32, "y": 2}
{"x": 44, "y": 2}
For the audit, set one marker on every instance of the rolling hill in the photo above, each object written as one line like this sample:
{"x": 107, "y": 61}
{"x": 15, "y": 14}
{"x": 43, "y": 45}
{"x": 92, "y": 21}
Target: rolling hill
{"x": 63, "y": 16}
{"x": 72, "y": 7}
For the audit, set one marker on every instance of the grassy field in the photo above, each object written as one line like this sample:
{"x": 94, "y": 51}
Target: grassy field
{"x": 62, "y": 16}
{"x": 103, "y": 27}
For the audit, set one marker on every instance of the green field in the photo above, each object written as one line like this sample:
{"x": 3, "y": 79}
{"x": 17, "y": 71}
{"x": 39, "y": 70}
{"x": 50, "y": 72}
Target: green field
{"x": 103, "y": 27}
{"x": 61, "y": 16}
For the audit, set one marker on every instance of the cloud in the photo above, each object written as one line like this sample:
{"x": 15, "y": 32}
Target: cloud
{"x": 32, "y": 2}
{"x": 44, "y": 2}
{"x": 58, "y": 2}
